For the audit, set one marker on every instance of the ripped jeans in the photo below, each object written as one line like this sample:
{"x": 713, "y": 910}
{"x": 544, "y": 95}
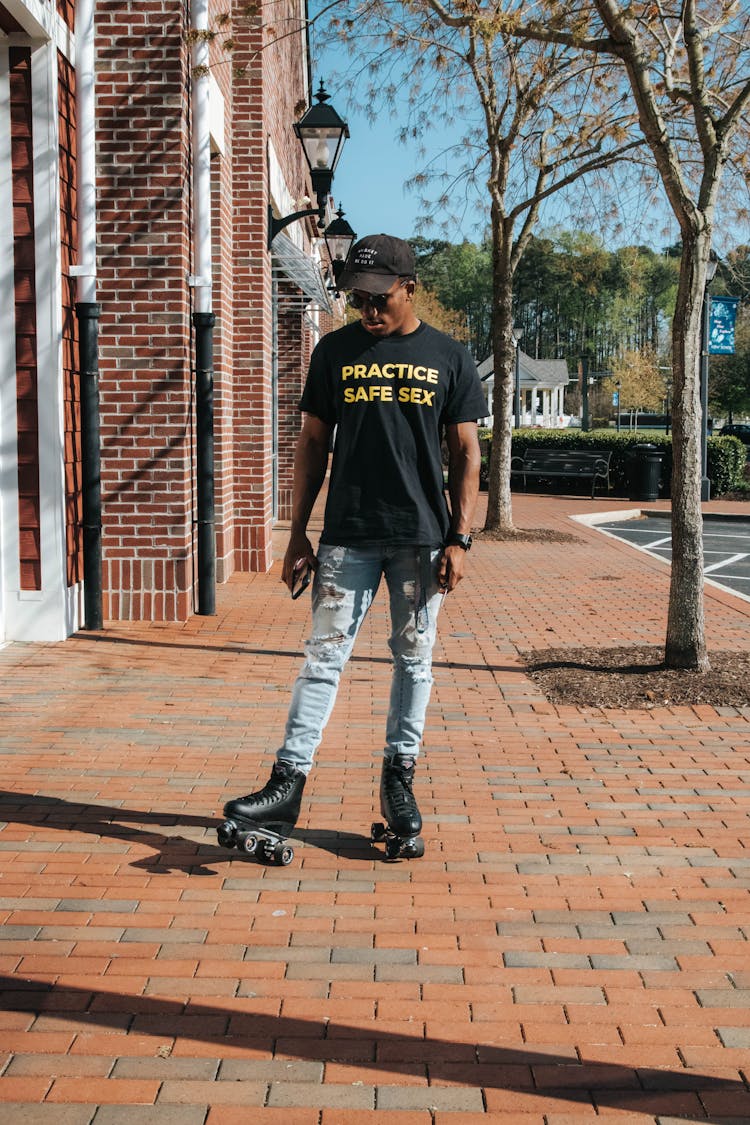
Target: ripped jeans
{"x": 344, "y": 587}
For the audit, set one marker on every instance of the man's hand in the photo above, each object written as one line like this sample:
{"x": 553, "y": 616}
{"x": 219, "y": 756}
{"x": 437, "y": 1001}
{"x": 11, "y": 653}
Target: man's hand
{"x": 300, "y": 548}
{"x": 451, "y": 568}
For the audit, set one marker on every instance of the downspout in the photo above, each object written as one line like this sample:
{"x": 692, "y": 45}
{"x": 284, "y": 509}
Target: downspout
{"x": 87, "y": 311}
{"x": 203, "y": 316}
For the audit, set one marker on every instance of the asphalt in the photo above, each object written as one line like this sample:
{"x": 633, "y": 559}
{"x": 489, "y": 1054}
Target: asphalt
{"x": 572, "y": 946}
{"x": 726, "y": 544}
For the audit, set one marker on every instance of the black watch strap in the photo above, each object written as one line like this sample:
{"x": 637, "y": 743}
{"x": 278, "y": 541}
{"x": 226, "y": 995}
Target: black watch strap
{"x": 456, "y": 540}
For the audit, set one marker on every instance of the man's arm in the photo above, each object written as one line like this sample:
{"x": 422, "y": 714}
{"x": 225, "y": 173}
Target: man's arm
{"x": 464, "y": 459}
{"x": 310, "y": 464}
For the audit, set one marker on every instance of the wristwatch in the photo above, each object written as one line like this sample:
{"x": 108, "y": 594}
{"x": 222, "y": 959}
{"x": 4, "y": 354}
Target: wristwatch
{"x": 456, "y": 540}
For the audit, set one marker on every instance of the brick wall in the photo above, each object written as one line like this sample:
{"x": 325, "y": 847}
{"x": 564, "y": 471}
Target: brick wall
{"x": 267, "y": 101}
{"x": 143, "y": 213}
{"x": 146, "y": 342}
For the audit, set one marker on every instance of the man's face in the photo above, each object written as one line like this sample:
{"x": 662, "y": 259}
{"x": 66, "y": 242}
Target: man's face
{"x": 391, "y": 314}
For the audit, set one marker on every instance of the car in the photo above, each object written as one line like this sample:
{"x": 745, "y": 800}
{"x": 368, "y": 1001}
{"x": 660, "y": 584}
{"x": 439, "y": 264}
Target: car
{"x": 739, "y": 430}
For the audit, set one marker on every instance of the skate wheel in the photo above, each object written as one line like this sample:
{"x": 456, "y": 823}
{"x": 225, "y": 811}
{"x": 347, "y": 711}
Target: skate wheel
{"x": 393, "y": 848}
{"x": 414, "y": 848}
{"x": 283, "y": 855}
{"x": 226, "y": 834}
{"x": 377, "y": 831}
{"x": 249, "y": 844}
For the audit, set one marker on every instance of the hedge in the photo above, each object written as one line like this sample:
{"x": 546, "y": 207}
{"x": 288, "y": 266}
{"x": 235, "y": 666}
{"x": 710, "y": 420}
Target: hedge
{"x": 726, "y": 456}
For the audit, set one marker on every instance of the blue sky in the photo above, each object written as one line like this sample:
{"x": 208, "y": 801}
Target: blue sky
{"x": 375, "y": 167}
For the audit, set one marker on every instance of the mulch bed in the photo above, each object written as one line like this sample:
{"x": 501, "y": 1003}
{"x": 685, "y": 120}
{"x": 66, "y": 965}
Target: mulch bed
{"x": 635, "y": 676}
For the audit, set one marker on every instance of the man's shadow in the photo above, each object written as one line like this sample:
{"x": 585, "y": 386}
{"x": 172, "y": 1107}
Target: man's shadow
{"x": 171, "y": 852}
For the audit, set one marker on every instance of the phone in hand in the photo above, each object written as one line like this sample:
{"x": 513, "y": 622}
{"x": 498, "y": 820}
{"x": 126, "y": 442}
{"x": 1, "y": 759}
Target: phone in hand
{"x": 302, "y": 576}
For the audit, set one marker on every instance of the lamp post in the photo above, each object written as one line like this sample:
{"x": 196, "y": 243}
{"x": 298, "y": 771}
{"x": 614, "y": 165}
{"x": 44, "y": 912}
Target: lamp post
{"x": 710, "y": 274}
{"x": 517, "y": 334}
{"x": 339, "y": 237}
{"x": 618, "y": 384}
{"x": 585, "y": 424}
{"x": 322, "y": 133}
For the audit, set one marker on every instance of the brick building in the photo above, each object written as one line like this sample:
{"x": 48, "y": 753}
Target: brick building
{"x": 269, "y": 306}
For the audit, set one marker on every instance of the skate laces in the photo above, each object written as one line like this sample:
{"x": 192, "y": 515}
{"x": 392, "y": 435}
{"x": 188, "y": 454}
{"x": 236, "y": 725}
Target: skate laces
{"x": 399, "y": 781}
{"x": 278, "y": 785}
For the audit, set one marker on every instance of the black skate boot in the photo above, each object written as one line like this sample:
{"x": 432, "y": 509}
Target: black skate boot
{"x": 259, "y": 822}
{"x": 398, "y": 806}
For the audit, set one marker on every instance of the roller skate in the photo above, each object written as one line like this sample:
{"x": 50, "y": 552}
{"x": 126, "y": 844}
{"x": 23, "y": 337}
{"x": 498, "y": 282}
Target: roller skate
{"x": 259, "y": 823}
{"x": 398, "y": 806}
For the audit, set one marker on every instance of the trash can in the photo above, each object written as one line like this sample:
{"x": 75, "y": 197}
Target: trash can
{"x": 645, "y": 471}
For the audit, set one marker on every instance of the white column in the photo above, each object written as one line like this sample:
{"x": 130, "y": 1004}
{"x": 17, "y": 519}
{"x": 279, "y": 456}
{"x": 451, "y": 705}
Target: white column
{"x": 201, "y": 159}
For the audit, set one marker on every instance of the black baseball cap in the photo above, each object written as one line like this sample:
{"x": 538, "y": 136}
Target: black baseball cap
{"x": 375, "y": 262}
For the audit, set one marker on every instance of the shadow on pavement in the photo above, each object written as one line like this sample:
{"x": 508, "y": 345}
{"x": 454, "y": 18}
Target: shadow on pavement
{"x": 292, "y": 654}
{"x": 171, "y": 853}
{"x": 517, "y": 1069}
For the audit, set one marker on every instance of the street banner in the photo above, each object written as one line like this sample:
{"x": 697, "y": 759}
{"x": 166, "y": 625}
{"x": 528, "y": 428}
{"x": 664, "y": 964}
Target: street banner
{"x": 722, "y": 317}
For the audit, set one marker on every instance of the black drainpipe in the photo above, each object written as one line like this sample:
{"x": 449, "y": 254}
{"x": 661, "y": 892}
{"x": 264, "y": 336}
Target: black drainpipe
{"x": 91, "y": 484}
{"x": 204, "y": 435}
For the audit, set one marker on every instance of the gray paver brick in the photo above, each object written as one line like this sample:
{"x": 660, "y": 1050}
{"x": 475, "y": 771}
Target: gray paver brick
{"x": 326, "y": 1096}
{"x": 735, "y": 1036}
{"x": 423, "y": 974}
{"x": 379, "y": 956}
{"x": 40, "y": 1114}
{"x": 723, "y": 997}
{"x": 440, "y": 1098}
{"x": 516, "y": 959}
{"x": 270, "y": 1070}
{"x": 150, "y": 1115}
{"x": 98, "y": 905}
{"x": 638, "y": 964}
{"x": 170, "y": 1068}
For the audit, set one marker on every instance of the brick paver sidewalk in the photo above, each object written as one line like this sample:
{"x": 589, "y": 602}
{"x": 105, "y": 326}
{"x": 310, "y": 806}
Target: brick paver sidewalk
{"x": 573, "y": 945}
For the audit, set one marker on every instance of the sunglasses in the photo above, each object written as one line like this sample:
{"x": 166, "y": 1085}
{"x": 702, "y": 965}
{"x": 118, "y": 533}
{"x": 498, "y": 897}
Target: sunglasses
{"x": 377, "y": 301}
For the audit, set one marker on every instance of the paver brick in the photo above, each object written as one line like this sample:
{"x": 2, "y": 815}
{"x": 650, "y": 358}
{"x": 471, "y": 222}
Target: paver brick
{"x": 571, "y": 945}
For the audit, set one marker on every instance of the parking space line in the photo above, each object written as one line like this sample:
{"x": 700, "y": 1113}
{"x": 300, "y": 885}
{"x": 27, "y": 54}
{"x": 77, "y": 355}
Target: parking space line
{"x": 724, "y": 562}
{"x": 729, "y": 570}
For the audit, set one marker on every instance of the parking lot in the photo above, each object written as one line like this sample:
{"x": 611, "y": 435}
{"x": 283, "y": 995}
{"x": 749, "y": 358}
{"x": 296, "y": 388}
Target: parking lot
{"x": 726, "y": 545}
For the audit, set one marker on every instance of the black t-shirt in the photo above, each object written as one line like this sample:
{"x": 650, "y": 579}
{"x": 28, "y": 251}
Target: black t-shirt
{"x": 389, "y": 399}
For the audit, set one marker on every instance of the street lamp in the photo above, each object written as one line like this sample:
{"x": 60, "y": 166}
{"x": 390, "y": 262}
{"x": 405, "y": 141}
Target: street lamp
{"x": 339, "y": 238}
{"x": 322, "y": 133}
{"x": 618, "y": 385}
{"x": 585, "y": 422}
{"x": 711, "y": 267}
{"x": 517, "y": 334}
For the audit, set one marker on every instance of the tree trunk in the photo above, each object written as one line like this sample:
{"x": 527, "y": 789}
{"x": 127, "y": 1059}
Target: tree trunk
{"x": 685, "y": 641}
{"x": 499, "y": 507}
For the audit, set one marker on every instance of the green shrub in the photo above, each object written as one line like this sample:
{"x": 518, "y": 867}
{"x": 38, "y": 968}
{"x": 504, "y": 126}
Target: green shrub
{"x": 725, "y": 455}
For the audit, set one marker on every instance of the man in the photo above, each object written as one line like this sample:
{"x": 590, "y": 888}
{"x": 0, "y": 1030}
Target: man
{"x": 391, "y": 386}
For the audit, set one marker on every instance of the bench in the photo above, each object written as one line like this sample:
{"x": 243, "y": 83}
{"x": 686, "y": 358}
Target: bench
{"x": 572, "y": 464}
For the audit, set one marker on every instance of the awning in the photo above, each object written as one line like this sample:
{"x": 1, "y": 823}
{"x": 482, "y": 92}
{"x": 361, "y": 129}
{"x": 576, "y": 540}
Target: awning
{"x": 292, "y": 264}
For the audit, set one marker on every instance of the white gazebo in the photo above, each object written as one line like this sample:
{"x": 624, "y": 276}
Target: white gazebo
{"x": 542, "y": 383}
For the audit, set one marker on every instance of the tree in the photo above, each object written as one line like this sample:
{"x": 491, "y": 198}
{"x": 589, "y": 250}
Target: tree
{"x": 686, "y": 62}
{"x": 429, "y": 307}
{"x": 461, "y": 276}
{"x": 572, "y": 296}
{"x": 636, "y": 375}
{"x": 544, "y": 119}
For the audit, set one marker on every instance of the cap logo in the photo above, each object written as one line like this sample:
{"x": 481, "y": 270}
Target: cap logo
{"x": 365, "y": 256}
